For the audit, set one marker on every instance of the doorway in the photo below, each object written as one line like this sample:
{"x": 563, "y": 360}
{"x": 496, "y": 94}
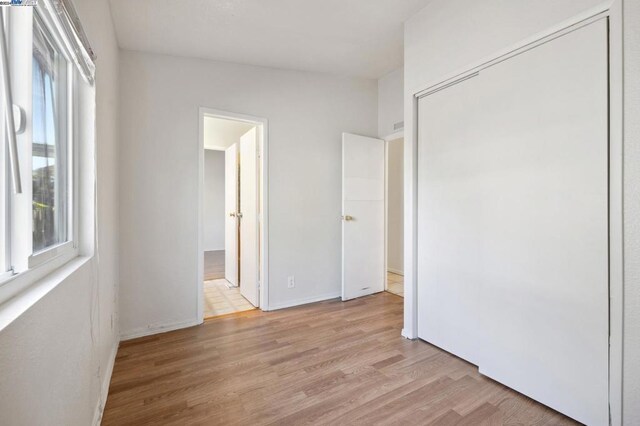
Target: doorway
{"x": 232, "y": 230}
{"x": 394, "y": 201}
{"x": 372, "y": 215}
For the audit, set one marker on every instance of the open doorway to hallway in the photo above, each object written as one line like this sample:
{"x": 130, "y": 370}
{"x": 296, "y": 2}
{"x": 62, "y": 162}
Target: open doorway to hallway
{"x": 395, "y": 216}
{"x": 231, "y": 214}
{"x": 372, "y": 215}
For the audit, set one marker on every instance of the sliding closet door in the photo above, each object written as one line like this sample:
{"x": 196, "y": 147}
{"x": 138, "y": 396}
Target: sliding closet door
{"x": 513, "y": 218}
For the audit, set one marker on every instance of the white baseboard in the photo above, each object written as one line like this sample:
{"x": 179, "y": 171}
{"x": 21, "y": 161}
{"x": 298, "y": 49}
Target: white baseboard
{"x": 396, "y": 271}
{"x": 304, "y": 301}
{"x": 104, "y": 386}
{"x": 406, "y": 335}
{"x": 158, "y": 328}
{"x": 214, "y": 249}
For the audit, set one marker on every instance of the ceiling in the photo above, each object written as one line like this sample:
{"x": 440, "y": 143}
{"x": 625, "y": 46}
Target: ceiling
{"x": 345, "y": 37}
{"x": 220, "y": 134}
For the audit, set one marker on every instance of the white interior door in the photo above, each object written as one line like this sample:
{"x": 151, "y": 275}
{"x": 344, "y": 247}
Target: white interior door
{"x": 363, "y": 171}
{"x": 513, "y": 222}
{"x": 231, "y": 210}
{"x": 249, "y": 281}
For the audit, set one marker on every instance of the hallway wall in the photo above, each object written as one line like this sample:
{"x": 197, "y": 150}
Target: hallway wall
{"x": 214, "y": 209}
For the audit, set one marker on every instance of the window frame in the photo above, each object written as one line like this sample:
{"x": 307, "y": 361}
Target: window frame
{"x": 51, "y": 252}
{"x": 26, "y": 267}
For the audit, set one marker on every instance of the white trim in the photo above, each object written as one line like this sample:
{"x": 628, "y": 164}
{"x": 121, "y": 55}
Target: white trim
{"x": 263, "y": 217}
{"x": 28, "y": 288}
{"x": 406, "y": 335}
{"x": 613, "y": 10}
{"x": 394, "y": 136}
{"x": 158, "y": 328}
{"x": 45, "y": 256}
{"x": 104, "y": 388}
{"x": 306, "y": 300}
{"x": 17, "y": 283}
{"x": 386, "y": 213}
{"x": 616, "y": 229}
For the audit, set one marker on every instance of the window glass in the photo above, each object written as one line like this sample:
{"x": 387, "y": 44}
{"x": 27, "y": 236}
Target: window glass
{"x": 50, "y": 142}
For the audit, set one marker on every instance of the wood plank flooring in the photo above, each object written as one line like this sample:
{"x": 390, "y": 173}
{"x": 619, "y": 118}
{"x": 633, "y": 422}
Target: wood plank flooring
{"x": 329, "y": 363}
{"x": 213, "y": 265}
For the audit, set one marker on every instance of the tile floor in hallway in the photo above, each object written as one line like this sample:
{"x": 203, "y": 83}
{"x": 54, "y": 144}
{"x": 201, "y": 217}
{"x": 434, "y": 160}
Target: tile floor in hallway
{"x": 220, "y": 299}
{"x": 395, "y": 284}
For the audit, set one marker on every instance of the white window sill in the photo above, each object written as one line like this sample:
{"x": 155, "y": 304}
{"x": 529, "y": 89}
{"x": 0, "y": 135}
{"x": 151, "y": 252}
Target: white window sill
{"x": 15, "y": 306}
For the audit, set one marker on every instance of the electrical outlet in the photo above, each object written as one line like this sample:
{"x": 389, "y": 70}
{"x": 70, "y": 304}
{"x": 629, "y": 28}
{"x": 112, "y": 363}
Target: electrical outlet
{"x": 291, "y": 282}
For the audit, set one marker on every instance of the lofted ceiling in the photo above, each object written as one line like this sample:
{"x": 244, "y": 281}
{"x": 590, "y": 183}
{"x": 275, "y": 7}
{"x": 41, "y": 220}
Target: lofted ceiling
{"x": 345, "y": 37}
{"x": 220, "y": 134}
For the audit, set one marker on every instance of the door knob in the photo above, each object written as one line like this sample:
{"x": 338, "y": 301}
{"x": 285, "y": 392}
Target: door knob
{"x": 347, "y": 218}
{"x": 239, "y": 215}
{"x": 232, "y": 214}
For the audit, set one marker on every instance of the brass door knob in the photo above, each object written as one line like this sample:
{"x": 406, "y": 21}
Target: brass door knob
{"x": 347, "y": 218}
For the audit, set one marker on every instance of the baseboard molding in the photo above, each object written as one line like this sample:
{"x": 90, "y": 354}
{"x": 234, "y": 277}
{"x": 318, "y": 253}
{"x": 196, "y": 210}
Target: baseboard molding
{"x": 406, "y": 335}
{"x": 395, "y": 271}
{"x": 214, "y": 249}
{"x": 158, "y": 328}
{"x": 305, "y": 301}
{"x": 104, "y": 387}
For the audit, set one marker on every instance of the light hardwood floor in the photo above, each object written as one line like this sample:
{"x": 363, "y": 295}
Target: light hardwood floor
{"x": 329, "y": 363}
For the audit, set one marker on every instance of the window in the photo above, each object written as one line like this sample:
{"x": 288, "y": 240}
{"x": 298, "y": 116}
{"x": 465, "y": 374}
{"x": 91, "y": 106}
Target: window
{"x": 49, "y": 149}
{"x": 46, "y": 71}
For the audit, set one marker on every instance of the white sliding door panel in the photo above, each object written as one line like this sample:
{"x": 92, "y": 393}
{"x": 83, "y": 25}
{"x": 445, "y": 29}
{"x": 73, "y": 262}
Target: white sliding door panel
{"x": 249, "y": 221}
{"x": 513, "y": 222}
{"x": 363, "y": 171}
{"x": 231, "y": 210}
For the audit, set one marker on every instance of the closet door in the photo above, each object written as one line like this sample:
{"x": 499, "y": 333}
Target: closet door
{"x": 513, "y": 222}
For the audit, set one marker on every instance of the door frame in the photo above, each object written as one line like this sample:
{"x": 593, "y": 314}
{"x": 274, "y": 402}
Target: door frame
{"x": 613, "y": 11}
{"x": 389, "y": 138}
{"x": 263, "y": 216}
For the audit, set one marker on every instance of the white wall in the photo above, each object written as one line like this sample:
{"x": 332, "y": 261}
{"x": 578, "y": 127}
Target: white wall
{"x": 390, "y": 102}
{"x": 55, "y": 357}
{"x": 307, "y": 112}
{"x": 214, "y": 210}
{"x": 395, "y": 206}
{"x": 631, "y": 370}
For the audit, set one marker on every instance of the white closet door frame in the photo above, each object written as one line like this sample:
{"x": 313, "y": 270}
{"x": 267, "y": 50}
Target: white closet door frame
{"x": 263, "y": 152}
{"x": 613, "y": 12}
